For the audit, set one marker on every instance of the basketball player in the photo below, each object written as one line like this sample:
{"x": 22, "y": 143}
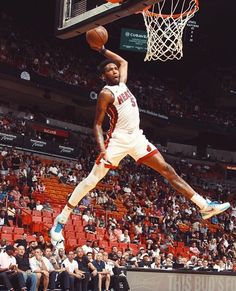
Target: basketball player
{"x": 124, "y": 138}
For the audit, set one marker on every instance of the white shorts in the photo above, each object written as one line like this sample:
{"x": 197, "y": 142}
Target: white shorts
{"x": 123, "y": 143}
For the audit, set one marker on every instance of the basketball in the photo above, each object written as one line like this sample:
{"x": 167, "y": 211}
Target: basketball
{"x": 97, "y": 37}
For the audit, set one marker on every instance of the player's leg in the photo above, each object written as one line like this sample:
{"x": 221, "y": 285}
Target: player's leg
{"x": 97, "y": 173}
{"x": 115, "y": 153}
{"x": 145, "y": 152}
{"x": 207, "y": 209}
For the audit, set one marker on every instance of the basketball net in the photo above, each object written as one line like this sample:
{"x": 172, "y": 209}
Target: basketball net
{"x": 165, "y": 22}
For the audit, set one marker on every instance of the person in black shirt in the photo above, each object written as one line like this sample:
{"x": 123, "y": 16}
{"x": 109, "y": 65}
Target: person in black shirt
{"x": 113, "y": 255}
{"x": 90, "y": 228}
{"x": 24, "y": 267}
{"x": 22, "y": 241}
{"x": 103, "y": 274}
{"x": 145, "y": 262}
{"x": 86, "y": 266}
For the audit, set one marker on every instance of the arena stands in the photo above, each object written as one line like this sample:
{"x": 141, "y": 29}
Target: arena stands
{"x": 21, "y": 49}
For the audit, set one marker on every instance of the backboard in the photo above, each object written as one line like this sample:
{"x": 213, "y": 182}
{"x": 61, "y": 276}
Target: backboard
{"x": 75, "y": 17}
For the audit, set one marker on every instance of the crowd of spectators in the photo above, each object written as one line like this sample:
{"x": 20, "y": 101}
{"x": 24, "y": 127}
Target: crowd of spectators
{"x": 156, "y": 215}
{"x": 24, "y": 51}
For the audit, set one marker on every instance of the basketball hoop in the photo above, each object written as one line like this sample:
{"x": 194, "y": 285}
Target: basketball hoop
{"x": 165, "y": 22}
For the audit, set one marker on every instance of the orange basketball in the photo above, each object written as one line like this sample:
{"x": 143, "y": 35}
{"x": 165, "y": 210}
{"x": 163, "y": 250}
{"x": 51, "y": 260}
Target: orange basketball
{"x": 97, "y": 37}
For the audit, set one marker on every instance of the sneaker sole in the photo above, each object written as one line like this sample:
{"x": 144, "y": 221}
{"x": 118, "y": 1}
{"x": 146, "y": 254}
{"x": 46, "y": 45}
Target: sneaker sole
{"x": 216, "y": 212}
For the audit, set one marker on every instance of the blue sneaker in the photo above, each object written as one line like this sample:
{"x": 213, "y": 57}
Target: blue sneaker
{"x": 56, "y": 230}
{"x": 213, "y": 208}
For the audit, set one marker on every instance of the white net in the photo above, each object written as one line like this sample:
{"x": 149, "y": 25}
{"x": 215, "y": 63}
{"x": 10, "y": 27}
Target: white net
{"x": 165, "y": 22}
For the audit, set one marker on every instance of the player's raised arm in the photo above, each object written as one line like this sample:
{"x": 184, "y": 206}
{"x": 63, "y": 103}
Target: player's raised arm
{"x": 122, "y": 63}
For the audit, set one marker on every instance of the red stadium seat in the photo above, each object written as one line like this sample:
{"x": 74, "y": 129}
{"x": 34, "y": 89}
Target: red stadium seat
{"x": 7, "y": 236}
{"x": 19, "y": 230}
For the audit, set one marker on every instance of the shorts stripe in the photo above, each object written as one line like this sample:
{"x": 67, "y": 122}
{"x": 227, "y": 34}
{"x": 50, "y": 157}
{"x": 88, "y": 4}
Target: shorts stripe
{"x": 140, "y": 161}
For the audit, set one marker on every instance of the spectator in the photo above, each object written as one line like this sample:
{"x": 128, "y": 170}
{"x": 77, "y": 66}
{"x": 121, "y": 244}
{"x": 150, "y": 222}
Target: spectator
{"x": 24, "y": 266}
{"x": 157, "y": 263}
{"x": 125, "y": 237}
{"x": 103, "y": 274}
{"x": 87, "y": 267}
{"x": 87, "y": 247}
{"x": 3, "y": 218}
{"x": 59, "y": 275}
{"x": 73, "y": 269}
{"x": 145, "y": 261}
{"x": 90, "y": 227}
{"x": 42, "y": 267}
{"x": 9, "y": 275}
{"x": 3, "y": 244}
{"x": 39, "y": 206}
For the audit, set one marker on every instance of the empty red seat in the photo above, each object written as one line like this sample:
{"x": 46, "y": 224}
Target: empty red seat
{"x": 7, "y": 229}
{"x": 47, "y": 220}
{"x": 36, "y": 219}
{"x": 19, "y": 230}
{"x": 7, "y": 236}
{"x": 36, "y": 213}
{"x": 72, "y": 242}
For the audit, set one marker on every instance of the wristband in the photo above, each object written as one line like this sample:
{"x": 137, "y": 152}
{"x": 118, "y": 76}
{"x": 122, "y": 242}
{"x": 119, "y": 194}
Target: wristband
{"x": 102, "y": 51}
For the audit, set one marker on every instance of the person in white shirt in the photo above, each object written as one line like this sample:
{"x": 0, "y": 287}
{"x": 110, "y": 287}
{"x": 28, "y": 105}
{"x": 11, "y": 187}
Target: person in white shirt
{"x": 157, "y": 263}
{"x": 9, "y": 274}
{"x": 42, "y": 267}
{"x": 72, "y": 268}
{"x": 125, "y": 238}
{"x": 87, "y": 248}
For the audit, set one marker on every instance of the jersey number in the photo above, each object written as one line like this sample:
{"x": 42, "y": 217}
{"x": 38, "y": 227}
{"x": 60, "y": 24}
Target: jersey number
{"x": 133, "y": 101}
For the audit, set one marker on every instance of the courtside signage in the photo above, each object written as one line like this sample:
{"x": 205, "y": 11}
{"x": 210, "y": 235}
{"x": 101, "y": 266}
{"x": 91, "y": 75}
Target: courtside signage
{"x": 133, "y": 40}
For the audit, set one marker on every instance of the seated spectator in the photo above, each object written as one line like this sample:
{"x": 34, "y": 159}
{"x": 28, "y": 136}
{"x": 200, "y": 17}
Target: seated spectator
{"x": 113, "y": 255}
{"x": 157, "y": 263}
{"x": 32, "y": 204}
{"x": 3, "y": 244}
{"x": 110, "y": 236}
{"x": 22, "y": 241}
{"x": 87, "y": 247}
{"x": 24, "y": 266}
{"x": 117, "y": 273}
{"x": 90, "y": 227}
{"x": 39, "y": 206}
{"x": 85, "y": 265}
{"x": 58, "y": 276}
{"x": 42, "y": 267}
{"x": 101, "y": 222}
{"x": 60, "y": 257}
{"x": 47, "y": 207}
{"x": 145, "y": 261}
{"x": 3, "y": 218}
{"x": 193, "y": 249}
{"x": 87, "y": 215}
{"x": 118, "y": 231}
{"x": 103, "y": 274}
{"x": 125, "y": 238}
{"x": 95, "y": 247}
{"x": 9, "y": 275}
{"x": 219, "y": 265}
{"x": 76, "y": 276}
{"x": 41, "y": 187}
{"x": 168, "y": 264}
{"x": 102, "y": 199}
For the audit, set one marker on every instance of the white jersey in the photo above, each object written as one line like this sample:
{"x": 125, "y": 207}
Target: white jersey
{"x": 123, "y": 113}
